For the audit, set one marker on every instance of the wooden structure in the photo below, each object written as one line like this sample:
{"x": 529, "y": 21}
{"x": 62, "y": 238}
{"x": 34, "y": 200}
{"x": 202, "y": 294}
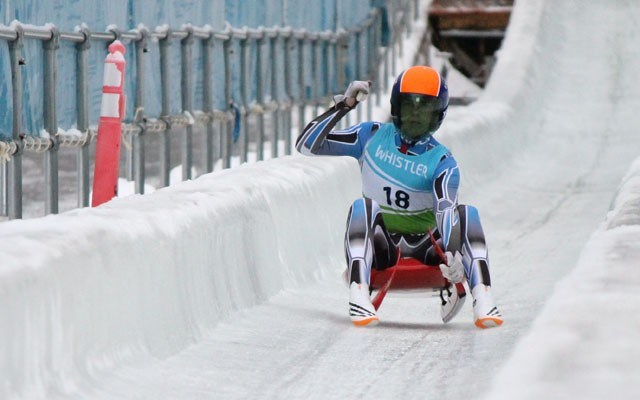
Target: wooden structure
{"x": 471, "y": 31}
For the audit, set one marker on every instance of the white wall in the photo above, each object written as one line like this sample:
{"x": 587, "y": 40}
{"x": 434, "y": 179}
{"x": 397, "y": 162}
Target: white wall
{"x": 148, "y": 275}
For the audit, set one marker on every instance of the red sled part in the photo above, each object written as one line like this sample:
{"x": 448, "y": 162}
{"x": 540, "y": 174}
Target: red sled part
{"x": 408, "y": 274}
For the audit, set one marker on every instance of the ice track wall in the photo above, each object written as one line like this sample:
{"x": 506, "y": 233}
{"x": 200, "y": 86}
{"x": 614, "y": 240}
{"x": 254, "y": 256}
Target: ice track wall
{"x": 517, "y": 84}
{"x": 146, "y": 276}
{"x": 605, "y": 278}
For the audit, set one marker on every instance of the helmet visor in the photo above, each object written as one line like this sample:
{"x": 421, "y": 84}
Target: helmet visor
{"x": 420, "y": 115}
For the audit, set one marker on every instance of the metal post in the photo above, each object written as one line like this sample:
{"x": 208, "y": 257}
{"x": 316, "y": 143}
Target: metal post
{"x": 377, "y": 45}
{"x": 341, "y": 47}
{"x": 358, "y": 67}
{"x": 3, "y": 187}
{"x": 326, "y": 67}
{"x": 51, "y": 121}
{"x": 343, "y": 78}
{"x": 386, "y": 71}
{"x": 333, "y": 55}
{"x": 138, "y": 137}
{"x": 371, "y": 66}
{"x": 260, "y": 95}
{"x": 394, "y": 41}
{"x": 301, "y": 84}
{"x": 128, "y": 149}
{"x": 427, "y": 53}
{"x": 402, "y": 29}
{"x": 82, "y": 109}
{"x": 14, "y": 172}
{"x": 274, "y": 97}
{"x": 207, "y": 97}
{"x": 228, "y": 140}
{"x": 128, "y": 167}
{"x": 288, "y": 93}
{"x": 165, "y": 76}
{"x": 314, "y": 72}
{"x": 244, "y": 109}
{"x": 407, "y": 16}
{"x": 186, "y": 83}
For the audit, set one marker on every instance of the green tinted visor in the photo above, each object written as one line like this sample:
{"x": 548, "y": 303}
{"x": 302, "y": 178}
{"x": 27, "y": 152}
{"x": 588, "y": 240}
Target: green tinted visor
{"x": 420, "y": 115}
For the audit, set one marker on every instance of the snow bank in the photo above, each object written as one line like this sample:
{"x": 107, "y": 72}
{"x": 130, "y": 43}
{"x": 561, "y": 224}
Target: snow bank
{"x": 146, "y": 276}
{"x": 584, "y": 343}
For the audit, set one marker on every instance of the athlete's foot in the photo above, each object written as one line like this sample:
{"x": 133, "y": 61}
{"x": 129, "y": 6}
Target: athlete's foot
{"x": 485, "y": 313}
{"x": 361, "y": 310}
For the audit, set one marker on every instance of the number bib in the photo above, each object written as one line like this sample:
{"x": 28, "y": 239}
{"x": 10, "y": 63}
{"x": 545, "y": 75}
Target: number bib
{"x": 401, "y": 184}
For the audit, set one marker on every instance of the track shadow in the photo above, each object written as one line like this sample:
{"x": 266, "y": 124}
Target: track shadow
{"x": 342, "y": 319}
{"x": 438, "y": 326}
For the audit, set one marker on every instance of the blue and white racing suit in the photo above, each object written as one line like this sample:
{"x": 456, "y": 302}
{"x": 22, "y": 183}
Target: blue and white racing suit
{"x": 408, "y": 190}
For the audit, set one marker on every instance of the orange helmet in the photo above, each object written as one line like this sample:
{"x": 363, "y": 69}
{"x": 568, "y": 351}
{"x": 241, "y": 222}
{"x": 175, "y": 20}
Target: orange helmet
{"x": 419, "y": 101}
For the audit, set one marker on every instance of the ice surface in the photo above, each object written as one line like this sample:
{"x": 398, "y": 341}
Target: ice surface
{"x": 229, "y": 286}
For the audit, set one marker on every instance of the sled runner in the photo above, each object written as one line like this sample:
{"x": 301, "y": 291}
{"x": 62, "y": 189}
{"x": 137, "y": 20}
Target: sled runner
{"x": 410, "y": 274}
{"x": 407, "y": 274}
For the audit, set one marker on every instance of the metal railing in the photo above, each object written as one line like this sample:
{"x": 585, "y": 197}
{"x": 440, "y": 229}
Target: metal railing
{"x": 292, "y": 69}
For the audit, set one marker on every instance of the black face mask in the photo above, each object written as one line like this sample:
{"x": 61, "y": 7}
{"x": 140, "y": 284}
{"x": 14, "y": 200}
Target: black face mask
{"x": 420, "y": 116}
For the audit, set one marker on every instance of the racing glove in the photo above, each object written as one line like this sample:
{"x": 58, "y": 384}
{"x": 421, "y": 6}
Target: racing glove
{"x": 356, "y": 92}
{"x": 453, "y": 270}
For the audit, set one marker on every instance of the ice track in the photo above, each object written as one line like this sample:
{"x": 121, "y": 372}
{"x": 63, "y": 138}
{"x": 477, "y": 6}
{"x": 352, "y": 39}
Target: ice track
{"x": 542, "y": 155}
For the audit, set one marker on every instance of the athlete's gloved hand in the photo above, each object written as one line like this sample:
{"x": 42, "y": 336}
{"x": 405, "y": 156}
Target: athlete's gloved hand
{"x": 356, "y": 92}
{"x": 453, "y": 270}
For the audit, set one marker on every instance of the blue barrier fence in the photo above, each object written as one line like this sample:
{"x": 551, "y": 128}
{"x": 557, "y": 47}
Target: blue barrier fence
{"x": 240, "y": 78}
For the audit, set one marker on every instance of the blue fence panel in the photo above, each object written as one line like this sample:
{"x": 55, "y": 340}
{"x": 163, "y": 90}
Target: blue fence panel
{"x": 66, "y": 16}
{"x": 124, "y": 15}
{"x": 155, "y": 14}
{"x": 277, "y": 54}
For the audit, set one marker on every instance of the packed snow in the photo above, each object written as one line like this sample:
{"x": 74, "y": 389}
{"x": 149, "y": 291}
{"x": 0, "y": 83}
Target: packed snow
{"x": 230, "y": 286}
